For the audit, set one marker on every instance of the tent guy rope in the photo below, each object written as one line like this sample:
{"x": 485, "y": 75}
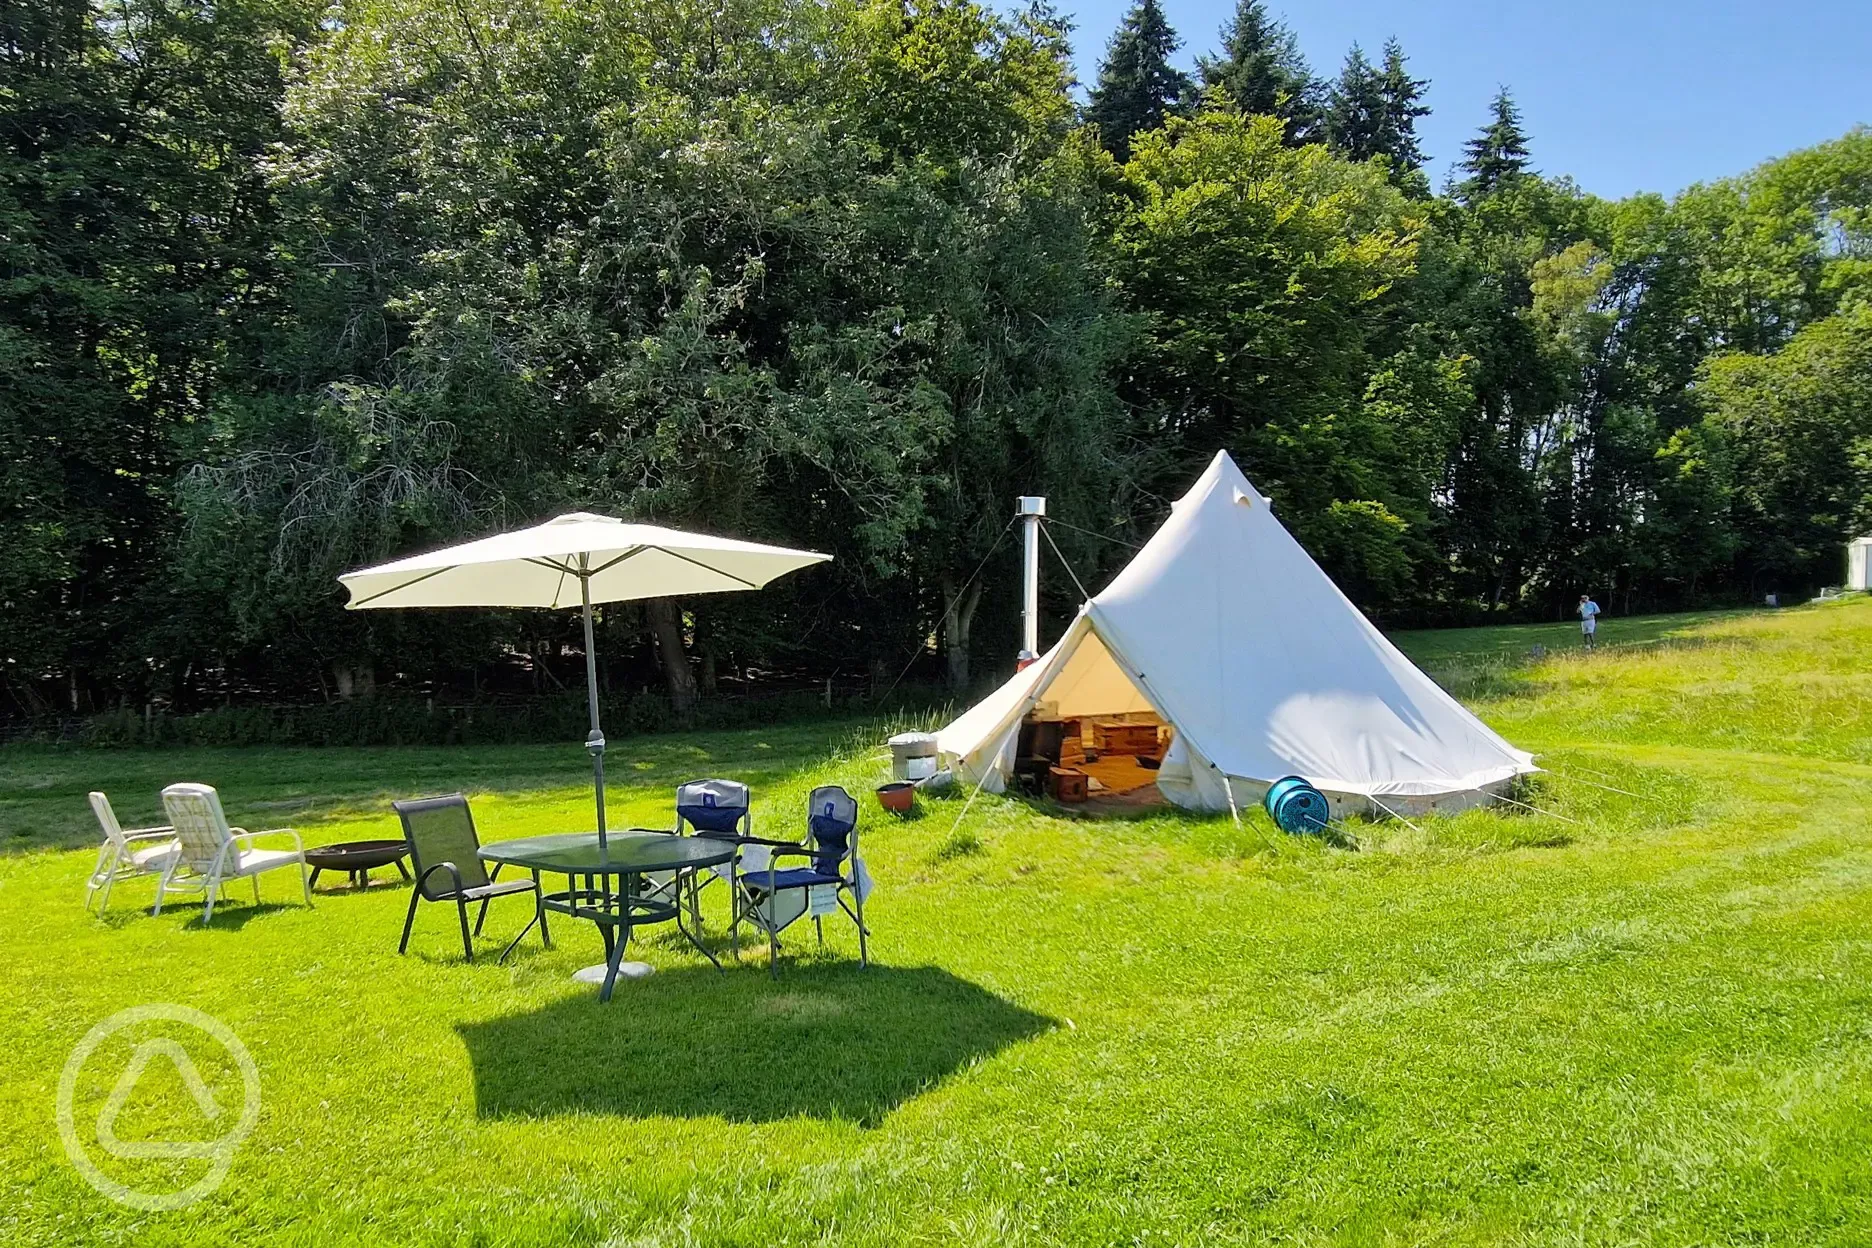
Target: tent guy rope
{"x": 923, "y": 649}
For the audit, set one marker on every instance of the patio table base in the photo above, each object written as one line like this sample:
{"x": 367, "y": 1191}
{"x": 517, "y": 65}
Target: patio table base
{"x": 626, "y": 970}
{"x": 616, "y": 911}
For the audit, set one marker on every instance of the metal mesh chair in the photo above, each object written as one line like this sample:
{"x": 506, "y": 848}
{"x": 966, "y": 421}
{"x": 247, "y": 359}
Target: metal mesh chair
{"x": 772, "y": 899}
{"x": 125, "y": 854}
{"x": 446, "y": 853}
{"x": 211, "y": 852}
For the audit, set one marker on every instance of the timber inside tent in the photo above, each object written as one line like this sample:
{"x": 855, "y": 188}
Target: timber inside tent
{"x": 1220, "y": 660}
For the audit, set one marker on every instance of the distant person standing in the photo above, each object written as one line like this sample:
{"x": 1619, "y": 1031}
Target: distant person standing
{"x": 1588, "y": 619}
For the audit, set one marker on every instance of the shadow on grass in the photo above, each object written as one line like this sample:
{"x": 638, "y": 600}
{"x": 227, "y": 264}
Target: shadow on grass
{"x": 230, "y": 915}
{"x": 834, "y": 1042}
{"x": 1114, "y": 809}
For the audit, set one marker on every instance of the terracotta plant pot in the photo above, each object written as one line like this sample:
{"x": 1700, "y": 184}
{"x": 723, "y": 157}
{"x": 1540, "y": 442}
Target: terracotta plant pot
{"x": 897, "y": 797}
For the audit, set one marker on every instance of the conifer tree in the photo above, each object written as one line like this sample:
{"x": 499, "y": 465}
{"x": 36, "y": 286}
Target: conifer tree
{"x": 1263, "y": 71}
{"x": 1357, "y": 112}
{"x": 1403, "y": 97}
{"x": 1373, "y": 112}
{"x": 1497, "y": 155}
{"x": 1138, "y": 87}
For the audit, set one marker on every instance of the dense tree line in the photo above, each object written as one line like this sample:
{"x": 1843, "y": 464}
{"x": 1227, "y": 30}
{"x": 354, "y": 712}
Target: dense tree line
{"x": 285, "y": 289}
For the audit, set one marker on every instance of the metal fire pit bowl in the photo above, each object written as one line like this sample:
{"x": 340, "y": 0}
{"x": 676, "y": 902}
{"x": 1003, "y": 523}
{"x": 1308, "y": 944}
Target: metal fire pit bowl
{"x": 357, "y": 859}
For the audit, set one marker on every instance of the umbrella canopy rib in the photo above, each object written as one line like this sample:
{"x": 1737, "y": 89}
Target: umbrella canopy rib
{"x": 394, "y": 589}
{"x": 632, "y": 553}
{"x": 706, "y": 567}
{"x": 561, "y": 569}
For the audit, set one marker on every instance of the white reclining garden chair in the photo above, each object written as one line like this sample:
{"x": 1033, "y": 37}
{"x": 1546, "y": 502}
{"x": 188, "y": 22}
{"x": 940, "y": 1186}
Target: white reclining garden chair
{"x": 212, "y": 852}
{"x": 125, "y": 854}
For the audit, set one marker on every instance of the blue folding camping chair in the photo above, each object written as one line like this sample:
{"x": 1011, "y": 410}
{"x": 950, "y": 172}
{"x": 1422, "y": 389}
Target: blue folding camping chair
{"x": 720, "y": 809}
{"x": 772, "y": 898}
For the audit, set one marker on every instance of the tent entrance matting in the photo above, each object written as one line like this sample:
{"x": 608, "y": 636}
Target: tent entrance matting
{"x": 1118, "y": 775}
{"x": 1116, "y": 752}
{"x": 1126, "y": 785}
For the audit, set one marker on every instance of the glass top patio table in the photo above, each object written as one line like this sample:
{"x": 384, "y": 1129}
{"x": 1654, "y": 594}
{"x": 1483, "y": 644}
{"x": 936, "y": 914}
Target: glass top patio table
{"x": 624, "y": 853}
{"x": 635, "y": 853}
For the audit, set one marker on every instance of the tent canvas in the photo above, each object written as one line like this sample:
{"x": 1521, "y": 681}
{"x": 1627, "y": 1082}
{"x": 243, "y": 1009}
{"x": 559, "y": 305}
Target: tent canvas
{"x": 1226, "y": 629}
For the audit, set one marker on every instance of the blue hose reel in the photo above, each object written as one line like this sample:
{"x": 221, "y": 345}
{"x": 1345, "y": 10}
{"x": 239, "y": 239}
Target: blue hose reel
{"x": 1297, "y": 807}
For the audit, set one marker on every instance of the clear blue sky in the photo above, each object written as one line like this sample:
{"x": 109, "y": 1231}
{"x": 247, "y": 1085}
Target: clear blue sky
{"x": 1624, "y": 95}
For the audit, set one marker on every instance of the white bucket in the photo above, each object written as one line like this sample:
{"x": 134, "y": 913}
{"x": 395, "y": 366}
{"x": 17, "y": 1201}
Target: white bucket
{"x": 913, "y": 755}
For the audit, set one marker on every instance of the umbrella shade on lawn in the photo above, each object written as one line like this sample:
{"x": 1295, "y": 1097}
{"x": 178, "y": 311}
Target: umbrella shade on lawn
{"x": 576, "y": 559}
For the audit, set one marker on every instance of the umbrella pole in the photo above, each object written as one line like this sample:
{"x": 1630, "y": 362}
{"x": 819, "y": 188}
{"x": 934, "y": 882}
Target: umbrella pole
{"x": 595, "y": 743}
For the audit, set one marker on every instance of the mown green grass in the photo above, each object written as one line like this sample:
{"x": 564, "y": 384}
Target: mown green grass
{"x": 1629, "y": 1020}
{"x": 1442, "y": 648}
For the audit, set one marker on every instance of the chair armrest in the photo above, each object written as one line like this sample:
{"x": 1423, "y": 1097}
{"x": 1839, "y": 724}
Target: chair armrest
{"x": 251, "y": 837}
{"x": 422, "y": 881}
{"x": 770, "y": 870}
{"x": 793, "y": 851}
{"x": 773, "y": 850}
{"x": 149, "y": 834}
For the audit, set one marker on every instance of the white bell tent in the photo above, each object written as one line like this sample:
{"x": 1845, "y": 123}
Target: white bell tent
{"x": 1227, "y": 631}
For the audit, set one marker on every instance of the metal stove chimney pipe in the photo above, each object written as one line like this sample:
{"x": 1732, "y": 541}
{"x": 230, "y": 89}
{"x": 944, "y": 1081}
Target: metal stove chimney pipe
{"x": 1031, "y": 510}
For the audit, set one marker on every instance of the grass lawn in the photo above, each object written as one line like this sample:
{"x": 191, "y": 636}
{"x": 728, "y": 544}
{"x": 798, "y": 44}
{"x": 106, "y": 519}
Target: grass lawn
{"x": 1639, "y": 1019}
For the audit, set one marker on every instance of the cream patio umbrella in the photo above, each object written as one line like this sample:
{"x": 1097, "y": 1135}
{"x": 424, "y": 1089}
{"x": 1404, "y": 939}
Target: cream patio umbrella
{"x": 580, "y": 559}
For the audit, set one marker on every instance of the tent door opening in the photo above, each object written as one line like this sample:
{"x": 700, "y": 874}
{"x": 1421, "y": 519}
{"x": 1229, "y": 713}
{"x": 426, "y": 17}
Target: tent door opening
{"x": 1092, "y": 735}
{"x": 1103, "y": 760}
